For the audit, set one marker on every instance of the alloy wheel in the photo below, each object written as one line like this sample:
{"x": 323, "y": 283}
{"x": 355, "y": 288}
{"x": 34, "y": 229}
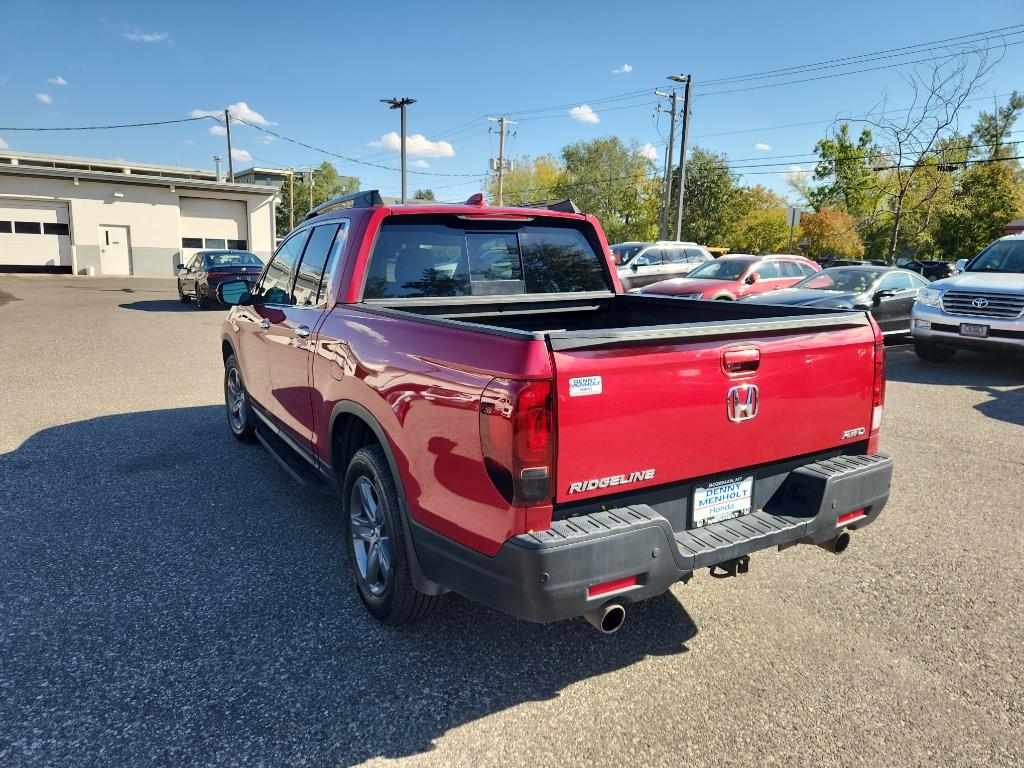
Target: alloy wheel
{"x": 370, "y": 540}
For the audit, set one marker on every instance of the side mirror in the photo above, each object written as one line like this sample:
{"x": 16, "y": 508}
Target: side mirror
{"x": 180, "y": 266}
{"x": 234, "y": 293}
{"x": 641, "y": 261}
{"x": 961, "y": 264}
{"x": 753, "y": 278}
{"x": 883, "y": 295}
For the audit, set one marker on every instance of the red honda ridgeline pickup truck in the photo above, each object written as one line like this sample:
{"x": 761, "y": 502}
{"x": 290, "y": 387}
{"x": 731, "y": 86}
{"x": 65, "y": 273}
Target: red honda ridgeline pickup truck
{"x": 501, "y": 420}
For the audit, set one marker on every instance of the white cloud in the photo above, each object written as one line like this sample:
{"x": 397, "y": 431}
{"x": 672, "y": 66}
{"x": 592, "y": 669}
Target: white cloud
{"x": 190, "y": 142}
{"x": 584, "y": 114}
{"x": 3, "y": 144}
{"x": 45, "y": 98}
{"x": 648, "y": 151}
{"x": 218, "y": 130}
{"x": 146, "y": 37}
{"x": 241, "y": 155}
{"x": 265, "y": 139}
{"x": 419, "y": 164}
{"x": 241, "y": 110}
{"x": 795, "y": 173}
{"x": 625, "y": 69}
{"x": 58, "y": 80}
{"x": 762, "y": 147}
{"x": 417, "y": 145}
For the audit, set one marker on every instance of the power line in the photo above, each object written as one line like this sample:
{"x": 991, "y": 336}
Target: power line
{"x": 110, "y": 127}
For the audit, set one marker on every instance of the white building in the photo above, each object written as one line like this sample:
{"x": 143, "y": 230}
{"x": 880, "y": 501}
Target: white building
{"x": 82, "y": 216}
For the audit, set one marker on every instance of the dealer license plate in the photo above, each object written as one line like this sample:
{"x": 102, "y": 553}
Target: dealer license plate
{"x": 722, "y": 500}
{"x": 973, "y": 329}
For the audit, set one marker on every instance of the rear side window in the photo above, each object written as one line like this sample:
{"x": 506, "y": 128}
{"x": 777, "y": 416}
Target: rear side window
{"x": 307, "y": 282}
{"x": 416, "y": 259}
{"x": 790, "y": 269}
{"x": 275, "y": 287}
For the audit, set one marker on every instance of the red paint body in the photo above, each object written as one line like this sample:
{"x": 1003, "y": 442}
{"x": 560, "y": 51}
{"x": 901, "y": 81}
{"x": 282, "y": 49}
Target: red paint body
{"x": 738, "y": 288}
{"x": 662, "y": 406}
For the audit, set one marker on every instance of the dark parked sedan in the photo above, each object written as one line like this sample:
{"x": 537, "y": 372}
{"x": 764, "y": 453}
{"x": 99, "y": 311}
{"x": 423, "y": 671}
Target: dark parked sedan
{"x": 929, "y": 270}
{"x": 888, "y": 293}
{"x": 207, "y": 269}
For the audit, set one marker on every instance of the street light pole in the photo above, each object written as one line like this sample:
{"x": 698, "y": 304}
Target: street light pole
{"x": 401, "y": 104}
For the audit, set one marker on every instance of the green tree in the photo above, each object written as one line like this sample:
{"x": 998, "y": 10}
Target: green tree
{"x": 991, "y": 130}
{"x": 615, "y": 182}
{"x": 987, "y": 196}
{"x": 762, "y": 226}
{"x": 423, "y": 194}
{"x": 530, "y": 179}
{"x": 843, "y": 172}
{"x": 714, "y": 203}
{"x": 316, "y": 186}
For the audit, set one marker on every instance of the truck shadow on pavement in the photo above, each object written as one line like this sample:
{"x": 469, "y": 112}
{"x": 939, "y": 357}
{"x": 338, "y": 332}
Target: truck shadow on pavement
{"x": 1001, "y": 378}
{"x": 159, "y": 305}
{"x": 168, "y": 596}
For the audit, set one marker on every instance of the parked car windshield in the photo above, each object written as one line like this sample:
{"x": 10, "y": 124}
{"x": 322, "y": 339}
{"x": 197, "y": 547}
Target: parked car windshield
{"x": 722, "y": 269}
{"x": 839, "y": 279}
{"x": 233, "y": 259}
{"x": 419, "y": 257}
{"x": 624, "y": 253}
{"x": 1001, "y": 256}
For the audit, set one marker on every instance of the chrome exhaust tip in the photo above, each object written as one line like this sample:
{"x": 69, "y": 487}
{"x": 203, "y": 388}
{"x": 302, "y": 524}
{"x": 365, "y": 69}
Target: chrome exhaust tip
{"x": 838, "y": 545}
{"x": 608, "y": 619}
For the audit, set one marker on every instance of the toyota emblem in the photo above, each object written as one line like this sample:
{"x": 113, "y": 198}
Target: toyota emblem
{"x": 979, "y": 303}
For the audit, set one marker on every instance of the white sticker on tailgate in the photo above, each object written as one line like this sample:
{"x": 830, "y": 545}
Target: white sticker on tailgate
{"x": 585, "y": 385}
{"x": 723, "y": 500}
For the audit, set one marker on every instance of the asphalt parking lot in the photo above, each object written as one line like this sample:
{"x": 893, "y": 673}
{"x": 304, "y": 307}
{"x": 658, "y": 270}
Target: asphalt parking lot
{"x": 169, "y": 597}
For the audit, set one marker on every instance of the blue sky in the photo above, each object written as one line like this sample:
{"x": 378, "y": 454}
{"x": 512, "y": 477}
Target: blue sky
{"x": 316, "y": 72}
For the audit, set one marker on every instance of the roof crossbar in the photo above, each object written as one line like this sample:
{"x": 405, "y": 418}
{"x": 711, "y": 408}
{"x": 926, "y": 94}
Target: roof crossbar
{"x": 365, "y": 199}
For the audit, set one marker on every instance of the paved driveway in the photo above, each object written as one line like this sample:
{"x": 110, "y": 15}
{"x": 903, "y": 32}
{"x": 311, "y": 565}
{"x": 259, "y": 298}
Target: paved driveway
{"x": 169, "y": 597}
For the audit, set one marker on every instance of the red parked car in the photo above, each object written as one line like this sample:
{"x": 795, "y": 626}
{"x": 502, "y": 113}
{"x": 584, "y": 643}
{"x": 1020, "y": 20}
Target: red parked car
{"x": 735, "y": 276}
{"x": 457, "y": 373}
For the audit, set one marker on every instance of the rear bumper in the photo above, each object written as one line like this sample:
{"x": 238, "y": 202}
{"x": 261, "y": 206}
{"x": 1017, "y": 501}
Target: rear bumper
{"x": 545, "y": 576}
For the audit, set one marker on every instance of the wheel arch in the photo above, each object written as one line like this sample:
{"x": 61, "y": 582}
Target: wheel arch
{"x": 350, "y": 427}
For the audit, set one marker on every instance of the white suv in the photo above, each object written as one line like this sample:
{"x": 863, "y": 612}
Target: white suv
{"x": 641, "y": 264}
{"x": 982, "y": 308}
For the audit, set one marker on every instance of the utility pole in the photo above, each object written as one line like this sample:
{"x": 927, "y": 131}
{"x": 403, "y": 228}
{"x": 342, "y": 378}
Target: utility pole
{"x": 401, "y": 104}
{"x": 231, "y": 160}
{"x": 502, "y": 131}
{"x": 682, "y": 151}
{"x": 310, "y": 188}
{"x": 291, "y": 199}
{"x": 670, "y": 151}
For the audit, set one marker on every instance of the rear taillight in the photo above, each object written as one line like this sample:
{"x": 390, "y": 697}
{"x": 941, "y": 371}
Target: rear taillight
{"x": 216, "y": 275}
{"x": 517, "y": 439}
{"x": 878, "y": 383}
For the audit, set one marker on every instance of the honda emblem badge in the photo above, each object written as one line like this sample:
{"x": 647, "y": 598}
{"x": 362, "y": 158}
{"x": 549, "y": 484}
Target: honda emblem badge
{"x": 741, "y": 402}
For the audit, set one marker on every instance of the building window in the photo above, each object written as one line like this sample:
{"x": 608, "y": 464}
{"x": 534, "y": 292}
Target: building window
{"x": 55, "y": 229}
{"x": 28, "y": 228}
{"x": 5, "y": 226}
{"x": 191, "y": 242}
{"x": 238, "y": 245}
{"x": 215, "y": 242}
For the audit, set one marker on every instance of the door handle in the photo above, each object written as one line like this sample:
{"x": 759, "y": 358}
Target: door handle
{"x": 265, "y": 325}
{"x": 302, "y": 331}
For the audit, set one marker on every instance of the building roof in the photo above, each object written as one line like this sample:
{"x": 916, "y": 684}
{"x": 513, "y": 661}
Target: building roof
{"x": 1015, "y": 224}
{"x": 55, "y": 167}
{"x": 268, "y": 171}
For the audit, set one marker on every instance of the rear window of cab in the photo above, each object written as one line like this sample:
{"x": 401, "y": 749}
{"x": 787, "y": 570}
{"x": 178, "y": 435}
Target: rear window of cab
{"x": 417, "y": 257}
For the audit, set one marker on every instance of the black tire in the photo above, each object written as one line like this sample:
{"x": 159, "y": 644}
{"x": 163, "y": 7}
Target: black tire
{"x": 201, "y": 301}
{"x": 181, "y": 296}
{"x": 723, "y": 297}
{"x": 241, "y": 421}
{"x": 392, "y": 599}
{"x": 933, "y": 354}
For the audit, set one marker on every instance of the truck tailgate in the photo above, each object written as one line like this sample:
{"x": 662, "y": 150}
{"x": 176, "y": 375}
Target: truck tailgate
{"x": 634, "y": 414}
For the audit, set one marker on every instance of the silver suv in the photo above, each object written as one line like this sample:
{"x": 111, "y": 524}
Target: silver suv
{"x": 982, "y": 308}
{"x": 641, "y": 264}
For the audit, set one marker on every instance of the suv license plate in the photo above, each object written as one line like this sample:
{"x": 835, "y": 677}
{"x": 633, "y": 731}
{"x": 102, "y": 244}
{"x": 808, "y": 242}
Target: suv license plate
{"x": 973, "y": 329}
{"x": 722, "y": 500}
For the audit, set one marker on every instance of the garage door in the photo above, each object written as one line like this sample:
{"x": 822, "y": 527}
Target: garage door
{"x": 210, "y": 223}
{"x": 34, "y": 235}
